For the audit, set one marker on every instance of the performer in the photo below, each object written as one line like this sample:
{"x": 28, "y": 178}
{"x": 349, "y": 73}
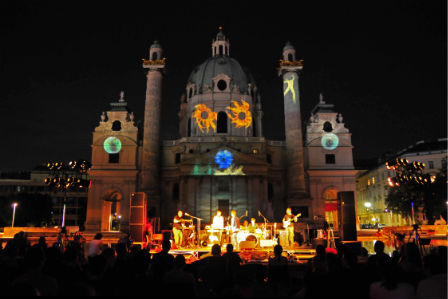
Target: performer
{"x": 178, "y": 225}
{"x": 252, "y": 226}
{"x": 218, "y": 221}
{"x": 289, "y": 225}
{"x": 234, "y": 224}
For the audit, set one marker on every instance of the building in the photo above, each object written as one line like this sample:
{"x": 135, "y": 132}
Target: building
{"x": 33, "y": 183}
{"x": 222, "y": 159}
{"x": 372, "y": 185}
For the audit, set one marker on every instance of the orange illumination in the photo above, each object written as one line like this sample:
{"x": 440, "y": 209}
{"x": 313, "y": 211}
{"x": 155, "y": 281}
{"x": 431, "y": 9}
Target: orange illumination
{"x": 240, "y": 114}
{"x": 205, "y": 117}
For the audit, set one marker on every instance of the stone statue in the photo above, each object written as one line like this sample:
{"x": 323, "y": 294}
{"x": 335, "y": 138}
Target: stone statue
{"x": 131, "y": 116}
{"x": 121, "y": 96}
{"x": 103, "y": 116}
{"x": 340, "y": 118}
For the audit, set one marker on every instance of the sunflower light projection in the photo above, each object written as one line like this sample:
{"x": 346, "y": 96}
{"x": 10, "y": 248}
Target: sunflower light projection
{"x": 240, "y": 114}
{"x": 205, "y": 117}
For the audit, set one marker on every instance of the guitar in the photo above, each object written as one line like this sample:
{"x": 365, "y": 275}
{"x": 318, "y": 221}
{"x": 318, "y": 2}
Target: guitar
{"x": 286, "y": 223}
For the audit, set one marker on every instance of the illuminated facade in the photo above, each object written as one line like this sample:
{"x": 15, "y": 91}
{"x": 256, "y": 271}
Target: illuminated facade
{"x": 372, "y": 185}
{"x": 221, "y": 159}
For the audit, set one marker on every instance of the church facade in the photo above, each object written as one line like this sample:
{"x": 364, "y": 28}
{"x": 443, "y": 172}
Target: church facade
{"x": 222, "y": 159}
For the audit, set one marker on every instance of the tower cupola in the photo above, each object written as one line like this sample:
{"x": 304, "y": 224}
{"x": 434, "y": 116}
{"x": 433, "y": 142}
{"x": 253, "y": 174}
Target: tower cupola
{"x": 289, "y": 53}
{"x": 220, "y": 45}
{"x": 155, "y": 51}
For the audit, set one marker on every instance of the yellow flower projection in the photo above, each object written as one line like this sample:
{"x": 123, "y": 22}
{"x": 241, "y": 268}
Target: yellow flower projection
{"x": 240, "y": 114}
{"x": 205, "y": 117}
{"x": 290, "y": 88}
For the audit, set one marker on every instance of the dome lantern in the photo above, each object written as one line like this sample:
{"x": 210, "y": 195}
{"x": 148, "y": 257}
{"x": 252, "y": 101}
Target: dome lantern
{"x": 220, "y": 45}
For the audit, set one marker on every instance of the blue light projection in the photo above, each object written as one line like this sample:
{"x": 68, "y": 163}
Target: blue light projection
{"x": 224, "y": 159}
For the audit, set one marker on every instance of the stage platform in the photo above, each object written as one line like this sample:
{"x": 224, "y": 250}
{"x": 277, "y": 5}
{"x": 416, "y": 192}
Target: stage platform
{"x": 256, "y": 255}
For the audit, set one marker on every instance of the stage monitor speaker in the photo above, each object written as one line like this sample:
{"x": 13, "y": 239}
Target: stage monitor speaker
{"x": 347, "y": 215}
{"x": 137, "y": 216}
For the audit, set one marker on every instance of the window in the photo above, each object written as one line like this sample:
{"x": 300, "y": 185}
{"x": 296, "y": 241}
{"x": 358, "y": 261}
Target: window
{"x": 269, "y": 158}
{"x": 154, "y": 55}
{"x": 330, "y": 159}
{"x": 222, "y": 122}
{"x": 190, "y": 93}
{"x": 114, "y": 158}
{"x": 177, "y": 158}
{"x": 327, "y": 127}
{"x": 222, "y": 85}
{"x": 431, "y": 164}
{"x": 290, "y": 57}
{"x": 116, "y": 126}
{"x": 220, "y": 50}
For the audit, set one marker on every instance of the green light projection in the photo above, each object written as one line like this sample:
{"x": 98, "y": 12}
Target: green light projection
{"x": 112, "y": 145}
{"x": 330, "y": 141}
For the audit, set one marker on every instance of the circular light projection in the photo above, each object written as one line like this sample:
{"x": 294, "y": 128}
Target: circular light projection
{"x": 240, "y": 114}
{"x": 112, "y": 145}
{"x": 224, "y": 159}
{"x": 330, "y": 141}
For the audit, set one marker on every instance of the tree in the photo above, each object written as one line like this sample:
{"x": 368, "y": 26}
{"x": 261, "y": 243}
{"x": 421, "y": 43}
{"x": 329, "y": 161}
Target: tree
{"x": 432, "y": 196}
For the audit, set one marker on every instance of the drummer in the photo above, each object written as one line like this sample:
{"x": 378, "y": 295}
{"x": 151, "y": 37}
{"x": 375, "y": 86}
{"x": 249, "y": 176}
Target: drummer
{"x": 252, "y": 226}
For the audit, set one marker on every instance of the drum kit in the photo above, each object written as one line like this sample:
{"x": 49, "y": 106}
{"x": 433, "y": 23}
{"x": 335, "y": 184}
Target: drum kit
{"x": 224, "y": 235}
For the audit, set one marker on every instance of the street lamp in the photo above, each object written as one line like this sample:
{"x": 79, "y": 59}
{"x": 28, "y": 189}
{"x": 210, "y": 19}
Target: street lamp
{"x": 14, "y": 205}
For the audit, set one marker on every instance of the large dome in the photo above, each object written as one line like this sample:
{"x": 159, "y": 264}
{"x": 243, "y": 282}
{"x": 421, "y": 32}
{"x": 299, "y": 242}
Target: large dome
{"x": 204, "y": 73}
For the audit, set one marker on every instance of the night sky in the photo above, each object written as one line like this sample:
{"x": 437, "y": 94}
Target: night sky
{"x": 382, "y": 63}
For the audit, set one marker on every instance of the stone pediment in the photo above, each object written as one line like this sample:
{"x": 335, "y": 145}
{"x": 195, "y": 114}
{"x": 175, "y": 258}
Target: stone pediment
{"x": 242, "y": 164}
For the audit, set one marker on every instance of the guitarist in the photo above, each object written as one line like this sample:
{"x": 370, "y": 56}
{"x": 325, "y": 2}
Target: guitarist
{"x": 288, "y": 224}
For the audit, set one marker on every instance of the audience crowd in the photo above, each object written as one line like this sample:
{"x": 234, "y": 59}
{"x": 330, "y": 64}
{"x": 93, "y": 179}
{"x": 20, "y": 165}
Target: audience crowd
{"x": 63, "y": 268}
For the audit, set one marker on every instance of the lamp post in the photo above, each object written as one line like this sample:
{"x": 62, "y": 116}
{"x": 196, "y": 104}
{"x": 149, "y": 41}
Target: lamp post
{"x": 14, "y": 205}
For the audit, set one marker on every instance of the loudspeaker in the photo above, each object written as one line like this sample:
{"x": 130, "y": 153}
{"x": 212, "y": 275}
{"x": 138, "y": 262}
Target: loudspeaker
{"x": 347, "y": 215}
{"x": 137, "y": 216}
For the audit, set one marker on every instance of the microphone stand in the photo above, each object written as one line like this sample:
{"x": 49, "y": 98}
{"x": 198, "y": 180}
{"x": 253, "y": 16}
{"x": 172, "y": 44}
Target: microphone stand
{"x": 199, "y": 227}
{"x": 265, "y": 221}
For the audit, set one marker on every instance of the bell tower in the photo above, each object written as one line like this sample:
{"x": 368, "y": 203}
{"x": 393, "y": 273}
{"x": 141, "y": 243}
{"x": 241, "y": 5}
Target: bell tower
{"x": 289, "y": 70}
{"x": 114, "y": 169}
{"x": 149, "y": 175}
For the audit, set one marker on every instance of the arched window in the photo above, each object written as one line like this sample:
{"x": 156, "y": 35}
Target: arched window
{"x": 328, "y": 127}
{"x": 190, "y": 93}
{"x": 222, "y": 122}
{"x": 116, "y": 126}
{"x": 290, "y": 57}
{"x": 220, "y": 50}
{"x": 154, "y": 55}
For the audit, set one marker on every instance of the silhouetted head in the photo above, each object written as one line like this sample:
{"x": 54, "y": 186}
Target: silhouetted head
{"x": 216, "y": 250}
{"x": 379, "y": 247}
{"x": 98, "y": 236}
{"x": 278, "y": 249}
{"x": 229, "y": 247}
{"x": 166, "y": 245}
{"x": 320, "y": 250}
{"x": 179, "y": 261}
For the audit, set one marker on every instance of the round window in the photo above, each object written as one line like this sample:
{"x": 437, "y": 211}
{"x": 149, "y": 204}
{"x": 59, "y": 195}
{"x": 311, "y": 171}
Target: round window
{"x": 222, "y": 85}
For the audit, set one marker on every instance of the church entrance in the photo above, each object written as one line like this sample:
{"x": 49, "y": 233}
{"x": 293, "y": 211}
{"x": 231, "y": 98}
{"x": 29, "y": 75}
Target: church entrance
{"x": 331, "y": 207}
{"x": 111, "y": 211}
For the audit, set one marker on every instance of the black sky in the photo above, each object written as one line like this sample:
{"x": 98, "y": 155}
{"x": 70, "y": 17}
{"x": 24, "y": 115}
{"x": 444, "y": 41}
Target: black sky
{"x": 382, "y": 63}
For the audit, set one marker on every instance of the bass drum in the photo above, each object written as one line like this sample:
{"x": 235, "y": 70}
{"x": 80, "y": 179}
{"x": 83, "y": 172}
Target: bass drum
{"x": 253, "y": 238}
